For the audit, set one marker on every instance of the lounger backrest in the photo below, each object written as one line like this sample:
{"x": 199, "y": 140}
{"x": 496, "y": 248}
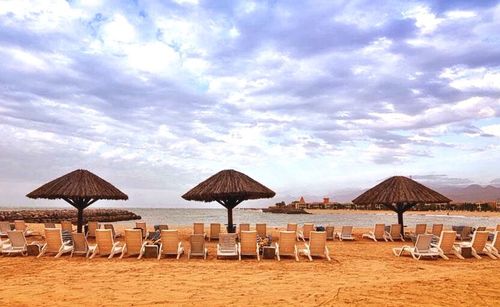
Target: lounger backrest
{"x": 261, "y": 229}
{"x": 420, "y": 229}
{"x": 306, "y": 229}
{"x": 104, "y": 240}
{"x": 17, "y": 238}
{"x": 19, "y": 225}
{"x": 423, "y": 242}
{"x": 287, "y": 242}
{"x": 227, "y": 241}
{"x": 162, "y": 227}
{"x": 66, "y": 225}
{"x": 49, "y": 225}
{"x": 4, "y": 227}
{"x": 244, "y": 227}
{"x": 197, "y": 244}
{"x": 79, "y": 242}
{"x": 92, "y": 227}
{"x": 248, "y": 242}
{"x": 112, "y": 228}
{"x": 437, "y": 229}
{"x": 481, "y": 228}
{"x": 143, "y": 226}
{"x": 346, "y": 231}
{"x": 53, "y": 238}
{"x": 379, "y": 231}
{"x": 395, "y": 230}
{"x": 291, "y": 227}
{"x": 317, "y": 242}
{"x": 479, "y": 240}
{"x": 214, "y": 230}
{"x": 198, "y": 228}
{"x": 496, "y": 240}
{"x": 466, "y": 231}
{"x": 169, "y": 241}
{"x": 133, "y": 239}
{"x": 446, "y": 240}
{"x": 498, "y": 227}
{"x": 330, "y": 230}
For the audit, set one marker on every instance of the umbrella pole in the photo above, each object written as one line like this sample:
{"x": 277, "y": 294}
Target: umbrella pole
{"x": 230, "y": 226}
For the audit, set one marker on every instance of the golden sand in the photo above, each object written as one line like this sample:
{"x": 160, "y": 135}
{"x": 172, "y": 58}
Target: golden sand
{"x": 360, "y": 273}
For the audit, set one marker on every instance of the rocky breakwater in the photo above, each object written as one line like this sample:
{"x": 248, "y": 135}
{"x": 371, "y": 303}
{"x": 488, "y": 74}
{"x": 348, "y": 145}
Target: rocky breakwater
{"x": 57, "y": 215}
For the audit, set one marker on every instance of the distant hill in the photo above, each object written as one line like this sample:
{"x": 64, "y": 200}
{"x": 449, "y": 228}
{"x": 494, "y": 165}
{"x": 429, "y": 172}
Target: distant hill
{"x": 471, "y": 193}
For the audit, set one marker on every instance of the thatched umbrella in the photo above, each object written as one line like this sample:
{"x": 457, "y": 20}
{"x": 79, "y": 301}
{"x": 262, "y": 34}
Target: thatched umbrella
{"x": 80, "y": 189}
{"x": 229, "y": 188}
{"x": 399, "y": 194}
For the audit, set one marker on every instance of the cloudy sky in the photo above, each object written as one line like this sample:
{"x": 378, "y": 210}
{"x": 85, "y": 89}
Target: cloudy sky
{"x": 311, "y": 98}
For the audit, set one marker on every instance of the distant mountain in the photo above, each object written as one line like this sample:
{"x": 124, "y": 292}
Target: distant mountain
{"x": 471, "y": 193}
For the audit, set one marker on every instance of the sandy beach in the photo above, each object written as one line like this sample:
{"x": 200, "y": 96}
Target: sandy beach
{"x": 360, "y": 273}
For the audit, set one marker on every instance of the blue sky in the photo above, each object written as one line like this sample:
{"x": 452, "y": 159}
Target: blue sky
{"x": 310, "y": 98}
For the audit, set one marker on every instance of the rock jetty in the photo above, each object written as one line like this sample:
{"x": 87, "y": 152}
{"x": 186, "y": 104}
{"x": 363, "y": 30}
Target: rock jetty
{"x": 57, "y": 215}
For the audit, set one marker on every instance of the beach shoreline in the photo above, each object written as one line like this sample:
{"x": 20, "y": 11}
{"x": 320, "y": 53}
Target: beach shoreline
{"x": 429, "y": 213}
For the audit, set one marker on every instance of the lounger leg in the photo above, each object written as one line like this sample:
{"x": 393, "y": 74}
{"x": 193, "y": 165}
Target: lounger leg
{"x": 42, "y": 252}
{"x": 59, "y": 253}
{"x": 487, "y": 252}
{"x": 444, "y": 256}
{"x": 457, "y": 253}
{"x": 309, "y": 256}
{"x": 474, "y": 253}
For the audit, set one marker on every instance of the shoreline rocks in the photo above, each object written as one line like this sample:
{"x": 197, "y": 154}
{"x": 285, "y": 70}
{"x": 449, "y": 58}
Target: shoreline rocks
{"x": 57, "y": 215}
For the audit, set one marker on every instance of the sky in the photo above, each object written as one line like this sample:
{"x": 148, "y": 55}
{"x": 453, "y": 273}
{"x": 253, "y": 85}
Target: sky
{"x": 307, "y": 97}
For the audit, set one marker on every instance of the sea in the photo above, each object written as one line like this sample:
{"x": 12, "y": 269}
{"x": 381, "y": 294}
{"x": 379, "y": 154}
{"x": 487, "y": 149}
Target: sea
{"x": 184, "y": 217}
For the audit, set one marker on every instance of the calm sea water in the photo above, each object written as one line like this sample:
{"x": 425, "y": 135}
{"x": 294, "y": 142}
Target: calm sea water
{"x": 184, "y": 217}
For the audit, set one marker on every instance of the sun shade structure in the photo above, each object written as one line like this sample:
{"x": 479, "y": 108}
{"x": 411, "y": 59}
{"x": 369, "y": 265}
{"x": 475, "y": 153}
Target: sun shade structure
{"x": 229, "y": 188}
{"x": 399, "y": 194}
{"x": 80, "y": 189}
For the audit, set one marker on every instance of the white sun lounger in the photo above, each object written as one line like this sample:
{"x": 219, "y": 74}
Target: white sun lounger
{"x": 317, "y": 246}
{"x": 478, "y": 244}
{"x": 227, "y": 246}
{"x": 377, "y": 234}
{"x": 494, "y": 246}
{"x": 421, "y": 249}
{"x": 346, "y": 234}
{"x": 394, "y": 233}
{"x": 134, "y": 243}
{"x": 248, "y": 244}
{"x": 105, "y": 244}
{"x": 16, "y": 244}
{"x": 446, "y": 245}
{"x": 170, "y": 244}
{"x": 287, "y": 245}
{"x": 54, "y": 243}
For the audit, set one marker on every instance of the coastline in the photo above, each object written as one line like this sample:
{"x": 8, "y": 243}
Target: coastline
{"x": 441, "y": 213}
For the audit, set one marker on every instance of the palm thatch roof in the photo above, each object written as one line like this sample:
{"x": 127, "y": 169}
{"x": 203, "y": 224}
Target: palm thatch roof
{"x": 228, "y": 184}
{"x": 399, "y": 189}
{"x": 78, "y": 184}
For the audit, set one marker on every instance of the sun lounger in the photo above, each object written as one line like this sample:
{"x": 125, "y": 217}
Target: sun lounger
{"x": 80, "y": 245}
{"x": 248, "y": 244}
{"x": 243, "y": 227}
{"x": 105, "y": 244}
{"x": 170, "y": 244}
{"x": 478, "y": 244}
{"x": 293, "y": 227}
{"x": 446, "y": 245}
{"x": 394, "y": 233}
{"x": 422, "y": 248}
{"x": 112, "y": 228}
{"x": 214, "y": 231}
{"x": 317, "y": 246}
{"x": 436, "y": 230}
{"x": 420, "y": 229}
{"x": 4, "y": 228}
{"x": 21, "y": 226}
{"x": 306, "y": 229}
{"x": 261, "y": 230}
{"x": 227, "y": 246}
{"x": 197, "y": 246}
{"x": 92, "y": 226}
{"x": 16, "y": 244}
{"x": 54, "y": 243}
{"x": 134, "y": 243}
{"x": 346, "y": 234}
{"x": 330, "y": 232}
{"x": 66, "y": 226}
{"x": 49, "y": 225}
{"x": 199, "y": 229}
{"x": 377, "y": 234}
{"x": 143, "y": 226}
{"x": 498, "y": 227}
{"x": 494, "y": 246}
{"x": 465, "y": 234}
{"x": 287, "y": 245}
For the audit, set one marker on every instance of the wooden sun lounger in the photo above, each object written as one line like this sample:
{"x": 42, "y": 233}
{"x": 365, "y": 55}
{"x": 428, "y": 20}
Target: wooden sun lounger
{"x": 377, "y": 234}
